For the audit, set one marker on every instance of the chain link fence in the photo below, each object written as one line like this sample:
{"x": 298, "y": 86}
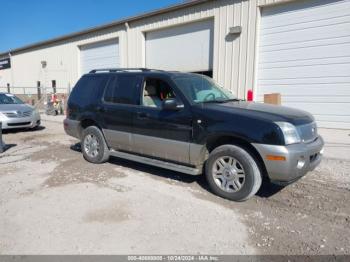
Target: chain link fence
{"x": 38, "y": 96}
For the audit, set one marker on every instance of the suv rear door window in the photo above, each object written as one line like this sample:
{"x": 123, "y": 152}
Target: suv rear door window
{"x": 122, "y": 90}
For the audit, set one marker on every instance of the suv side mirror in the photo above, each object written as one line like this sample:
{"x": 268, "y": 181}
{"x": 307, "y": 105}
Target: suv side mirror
{"x": 170, "y": 104}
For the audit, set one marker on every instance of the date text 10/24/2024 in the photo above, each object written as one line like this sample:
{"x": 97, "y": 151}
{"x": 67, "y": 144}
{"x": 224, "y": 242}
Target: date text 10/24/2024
{"x": 173, "y": 258}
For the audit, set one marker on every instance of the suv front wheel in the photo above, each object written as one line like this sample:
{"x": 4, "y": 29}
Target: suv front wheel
{"x": 93, "y": 145}
{"x": 233, "y": 173}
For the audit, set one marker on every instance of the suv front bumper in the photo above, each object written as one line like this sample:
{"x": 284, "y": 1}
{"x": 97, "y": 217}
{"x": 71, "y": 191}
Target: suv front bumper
{"x": 299, "y": 159}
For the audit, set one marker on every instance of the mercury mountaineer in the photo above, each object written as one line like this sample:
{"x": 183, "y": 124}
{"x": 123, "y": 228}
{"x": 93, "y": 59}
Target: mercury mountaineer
{"x": 187, "y": 123}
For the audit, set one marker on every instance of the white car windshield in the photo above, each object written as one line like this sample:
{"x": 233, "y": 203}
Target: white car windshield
{"x": 202, "y": 89}
{"x": 9, "y": 99}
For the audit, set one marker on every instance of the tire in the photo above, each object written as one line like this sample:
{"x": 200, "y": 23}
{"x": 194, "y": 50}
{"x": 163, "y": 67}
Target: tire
{"x": 88, "y": 147}
{"x": 37, "y": 126}
{"x": 237, "y": 178}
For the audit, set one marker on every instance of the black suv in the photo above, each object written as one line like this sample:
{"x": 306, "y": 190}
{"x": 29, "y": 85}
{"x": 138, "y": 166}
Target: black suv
{"x": 187, "y": 123}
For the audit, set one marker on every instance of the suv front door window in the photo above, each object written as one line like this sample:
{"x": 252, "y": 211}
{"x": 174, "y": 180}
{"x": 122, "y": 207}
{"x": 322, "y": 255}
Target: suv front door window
{"x": 155, "y": 91}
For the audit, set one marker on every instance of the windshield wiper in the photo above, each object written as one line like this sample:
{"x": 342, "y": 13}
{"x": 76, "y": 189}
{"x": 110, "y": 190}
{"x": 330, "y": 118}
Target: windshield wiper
{"x": 213, "y": 101}
{"x": 232, "y": 100}
{"x": 221, "y": 101}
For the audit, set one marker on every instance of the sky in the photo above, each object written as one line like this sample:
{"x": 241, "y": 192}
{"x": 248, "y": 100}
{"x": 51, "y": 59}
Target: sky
{"x": 25, "y": 22}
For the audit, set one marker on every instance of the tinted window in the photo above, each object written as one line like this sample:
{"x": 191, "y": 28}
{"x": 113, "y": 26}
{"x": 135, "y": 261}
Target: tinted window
{"x": 9, "y": 99}
{"x": 199, "y": 89}
{"x": 122, "y": 90}
{"x": 155, "y": 91}
{"x": 87, "y": 89}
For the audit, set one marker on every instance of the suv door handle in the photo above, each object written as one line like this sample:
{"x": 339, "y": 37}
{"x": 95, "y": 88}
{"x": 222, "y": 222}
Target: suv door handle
{"x": 142, "y": 115}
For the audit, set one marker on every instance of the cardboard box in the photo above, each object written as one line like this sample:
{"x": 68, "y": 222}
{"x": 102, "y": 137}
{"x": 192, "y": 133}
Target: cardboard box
{"x": 274, "y": 98}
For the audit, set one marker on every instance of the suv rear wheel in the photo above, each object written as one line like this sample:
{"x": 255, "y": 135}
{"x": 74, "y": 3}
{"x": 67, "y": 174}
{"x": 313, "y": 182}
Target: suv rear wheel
{"x": 233, "y": 173}
{"x": 93, "y": 145}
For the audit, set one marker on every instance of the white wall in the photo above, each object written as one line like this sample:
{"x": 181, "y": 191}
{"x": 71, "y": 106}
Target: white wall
{"x": 234, "y": 57}
{"x": 62, "y": 61}
{"x": 5, "y": 77}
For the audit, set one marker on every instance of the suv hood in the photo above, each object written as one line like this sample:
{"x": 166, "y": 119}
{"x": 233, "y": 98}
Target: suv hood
{"x": 266, "y": 111}
{"x": 15, "y": 107}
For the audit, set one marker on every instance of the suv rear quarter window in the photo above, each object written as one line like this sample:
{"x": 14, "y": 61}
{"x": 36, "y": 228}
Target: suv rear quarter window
{"x": 87, "y": 89}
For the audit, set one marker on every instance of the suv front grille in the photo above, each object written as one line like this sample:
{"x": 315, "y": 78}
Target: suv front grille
{"x": 308, "y": 133}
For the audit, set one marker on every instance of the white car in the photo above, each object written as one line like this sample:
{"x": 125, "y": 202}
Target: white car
{"x": 14, "y": 113}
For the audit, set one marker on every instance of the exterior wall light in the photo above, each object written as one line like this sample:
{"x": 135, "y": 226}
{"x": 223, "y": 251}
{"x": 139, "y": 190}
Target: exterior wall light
{"x": 235, "y": 30}
{"x": 43, "y": 64}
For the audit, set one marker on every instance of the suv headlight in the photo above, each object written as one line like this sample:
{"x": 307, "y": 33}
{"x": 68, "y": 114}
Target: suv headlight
{"x": 290, "y": 133}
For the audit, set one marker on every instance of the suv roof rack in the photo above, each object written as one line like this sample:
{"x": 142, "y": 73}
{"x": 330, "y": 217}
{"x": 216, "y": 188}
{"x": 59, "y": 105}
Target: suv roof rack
{"x": 114, "y": 70}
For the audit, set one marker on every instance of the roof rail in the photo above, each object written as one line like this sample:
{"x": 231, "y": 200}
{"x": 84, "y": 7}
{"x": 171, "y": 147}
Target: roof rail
{"x": 113, "y": 70}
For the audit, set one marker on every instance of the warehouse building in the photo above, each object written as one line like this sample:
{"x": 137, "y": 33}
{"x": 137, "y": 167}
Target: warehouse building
{"x": 298, "y": 48}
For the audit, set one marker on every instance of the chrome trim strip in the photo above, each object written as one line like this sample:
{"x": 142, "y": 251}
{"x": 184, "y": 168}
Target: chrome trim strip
{"x": 157, "y": 163}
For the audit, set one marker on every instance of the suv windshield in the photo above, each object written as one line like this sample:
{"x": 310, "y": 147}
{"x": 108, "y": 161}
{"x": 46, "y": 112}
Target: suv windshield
{"x": 9, "y": 99}
{"x": 202, "y": 89}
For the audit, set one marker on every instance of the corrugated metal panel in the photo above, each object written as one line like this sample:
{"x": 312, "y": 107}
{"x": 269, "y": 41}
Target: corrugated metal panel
{"x": 138, "y": 29}
{"x": 105, "y": 27}
{"x": 99, "y": 55}
{"x": 304, "y": 54}
{"x": 186, "y": 47}
{"x": 233, "y": 56}
{"x": 272, "y": 2}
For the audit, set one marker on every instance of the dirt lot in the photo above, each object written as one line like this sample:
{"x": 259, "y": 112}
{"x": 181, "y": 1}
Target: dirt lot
{"x": 52, "y": 201}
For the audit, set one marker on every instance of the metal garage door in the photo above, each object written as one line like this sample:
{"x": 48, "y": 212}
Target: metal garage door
{"x": 99, "y": 55}
{"x": 186, "y": 48}
{"x": 304, "y": 54}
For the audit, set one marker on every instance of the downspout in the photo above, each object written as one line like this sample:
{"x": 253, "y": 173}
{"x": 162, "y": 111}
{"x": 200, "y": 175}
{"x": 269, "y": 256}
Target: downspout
{"x": 127, "y": 27}
{"x": 10, "y": 56}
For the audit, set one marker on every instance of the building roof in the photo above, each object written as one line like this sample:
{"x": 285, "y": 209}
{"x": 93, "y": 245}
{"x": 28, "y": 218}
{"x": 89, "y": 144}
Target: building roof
{"x": 106, "y": 26}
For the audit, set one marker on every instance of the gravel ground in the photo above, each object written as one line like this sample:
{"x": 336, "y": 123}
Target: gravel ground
{"x": 53, "y": 202}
